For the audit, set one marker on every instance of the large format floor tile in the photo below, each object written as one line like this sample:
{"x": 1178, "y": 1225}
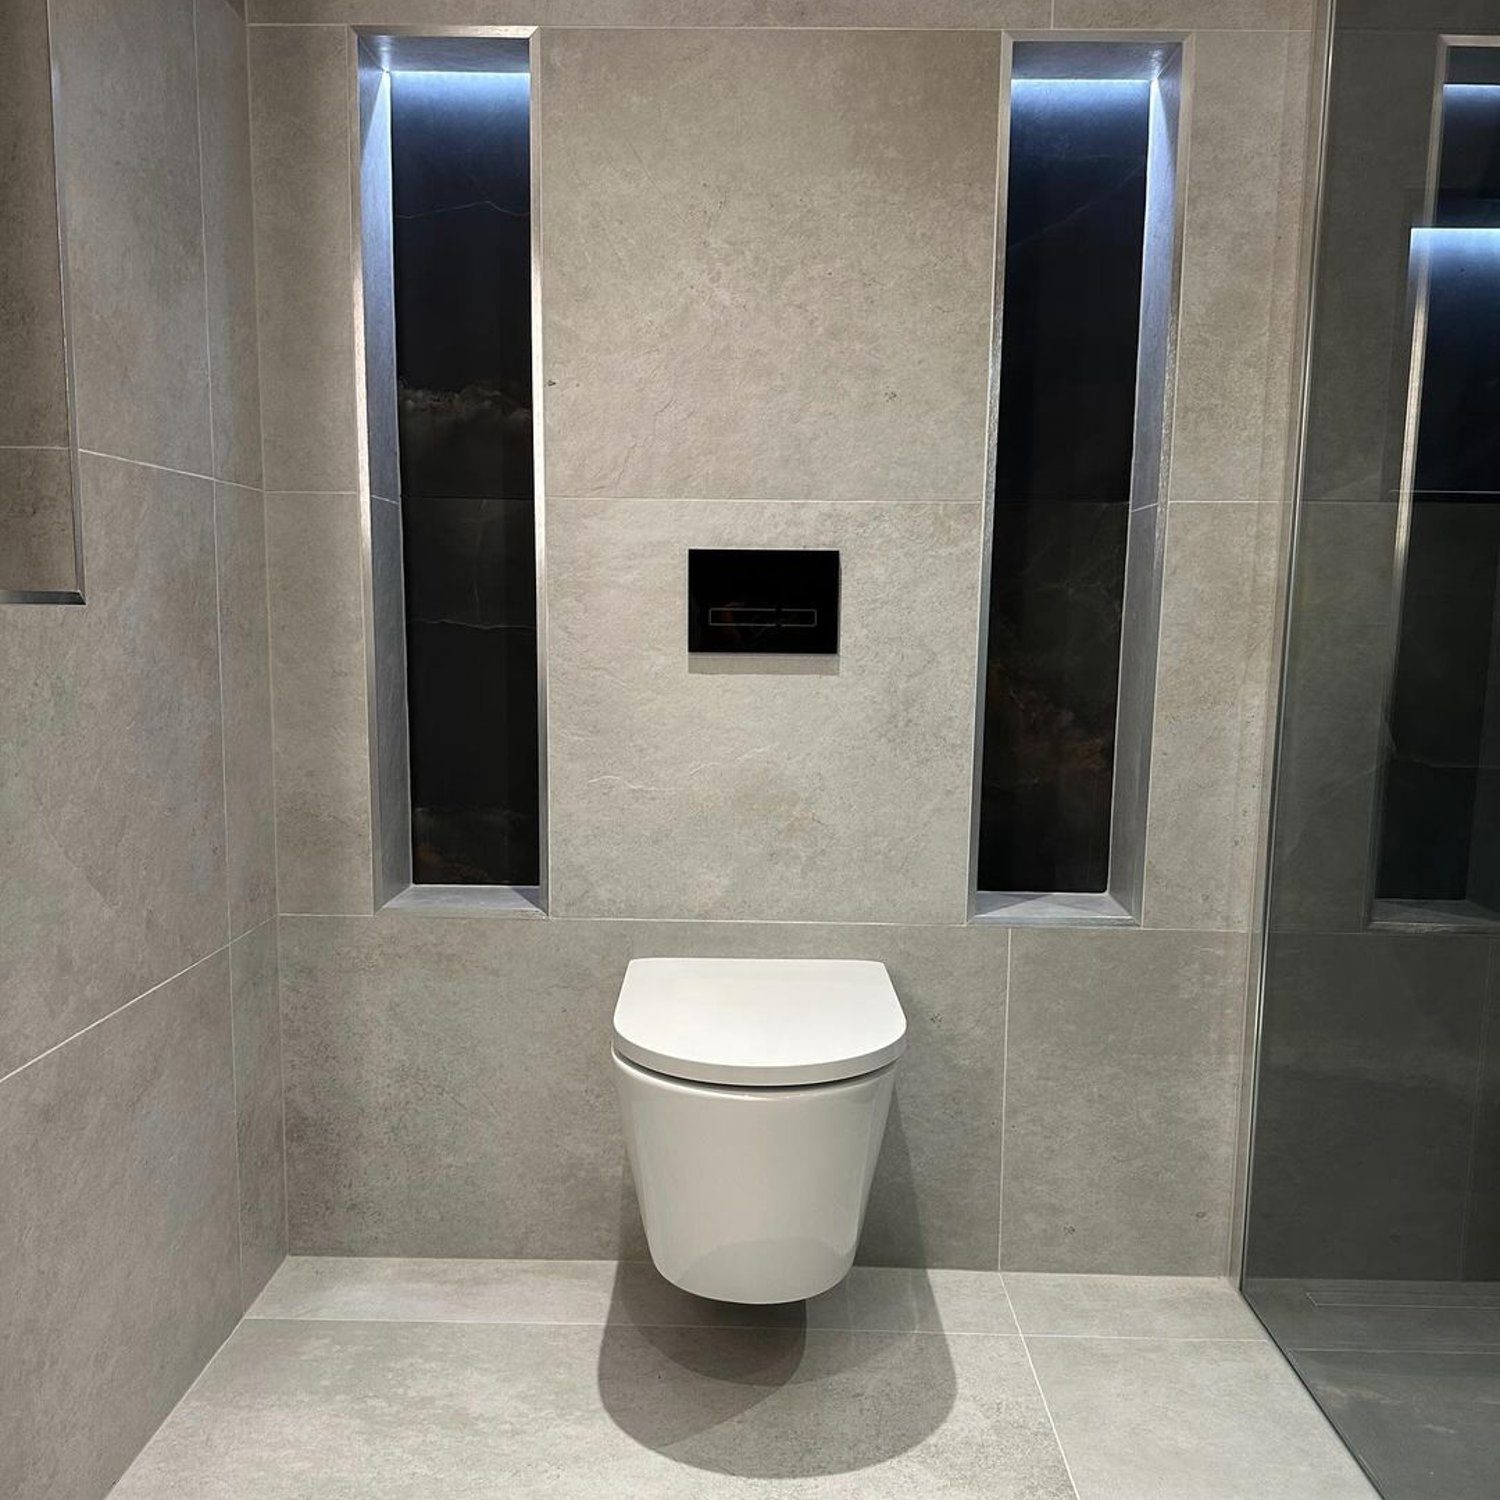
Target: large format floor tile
{"x": 1162, "y": 1419}
{"x": 473, "y": 1378}
{"x": 478, "y": 1409}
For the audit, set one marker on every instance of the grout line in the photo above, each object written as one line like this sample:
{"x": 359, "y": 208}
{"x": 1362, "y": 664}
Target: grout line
{"x": 1154, "y": 1338}
{"x": 1051, "y": 1421}
{"x": 260, "y": 386}
{"x": 213, "y": 464}
{"x": 110, "y": 1015}
{"x": 142, "y": 463}
{"x": 251, "y": 1316}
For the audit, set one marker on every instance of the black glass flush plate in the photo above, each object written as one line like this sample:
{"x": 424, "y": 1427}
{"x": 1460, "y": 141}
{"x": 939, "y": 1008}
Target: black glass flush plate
{"x": 770, "y": 600}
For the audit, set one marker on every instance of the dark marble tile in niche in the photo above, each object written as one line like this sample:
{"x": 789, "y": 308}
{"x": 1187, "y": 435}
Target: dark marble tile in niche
{"x": 1052, "y": 683}
{"x": 1440, "y": 700}
{"x": 462, "y": 240}
{"x": 474, "y": 753}
{"x": 1075, "y": 226}
{"x": 1469, "y": 175}
{"x": 471, "y": 562}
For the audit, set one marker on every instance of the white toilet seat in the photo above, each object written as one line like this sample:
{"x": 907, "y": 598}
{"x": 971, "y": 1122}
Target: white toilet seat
{"x": 759, "y": 1022}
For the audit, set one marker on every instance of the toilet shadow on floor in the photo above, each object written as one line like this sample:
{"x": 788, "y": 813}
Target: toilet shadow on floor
{"x": 791, "y": 1390}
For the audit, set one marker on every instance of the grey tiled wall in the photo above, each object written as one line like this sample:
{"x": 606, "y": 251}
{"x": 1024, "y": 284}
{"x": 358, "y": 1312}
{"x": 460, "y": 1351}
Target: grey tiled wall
{"x": 1070, "y": 1099}
{"x": 140, "y": 1091}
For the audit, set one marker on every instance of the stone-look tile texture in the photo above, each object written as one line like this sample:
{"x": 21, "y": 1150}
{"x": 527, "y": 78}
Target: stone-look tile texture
{"x": 796, "y": 774}
{"x": 400, "y": 1378}
{"x": 1245, "y": 155}
{"x": 33, "y": 376}
{"x": 1122, "y": 1072}
{"x": 704, "y": 386}
{"x": 111, "y": 763}
{"x": 658, "y": 1411}
{"x": 229, "y": 241}
{"x": 245, "y": 664}
{"x": 258, "y": 1107}
{"x": 117, "y": 1232}
{"x": 759, "y": 280}
{"x": 130, "y": 174}
{"x": 1152, "y": 1419}
{"x": 300, "y": 82}
{"x": 448, "y": 1083}
{"x": 902, "y": 14}
{"x": 135, "y": 805}
{"x": 1213, "y": 683}
{"x": 313, "y": 554}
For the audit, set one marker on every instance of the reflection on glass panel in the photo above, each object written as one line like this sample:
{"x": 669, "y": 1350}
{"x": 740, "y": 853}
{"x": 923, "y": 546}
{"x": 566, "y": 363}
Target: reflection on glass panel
{"x": 1372, "y": 1244}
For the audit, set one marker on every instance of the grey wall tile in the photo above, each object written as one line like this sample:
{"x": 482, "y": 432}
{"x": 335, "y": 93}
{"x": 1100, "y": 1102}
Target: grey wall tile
{"x": 1209, "y": 742}
{"x": 129, "y": 136}
{"x": 323, "y": 835}
{"x": 244, "y": 650}
{"x": 300, "y": 81}
{"x": 444, "y": 1096}
{"x": 117, "y": 1231}
{"x": 1365, "y": 1111}
{"x": 229, "y": 241}
{"x": 819, "y": 789}
{"x": 768, "y": 262}
{"x": 1122, "y": 1069}
{"x": 1250, "y": 15}
{"x": 448, "y": 1087}
{"x": 1246, "y": 146}
{"x": 36, "y": 519}
{"x": 33, "y": 378}
{"x": 1340, "y": 649}
{"x": 903, "y": 14}
{"x": 258, "y": 1107}
{"x": 111, "y": 764}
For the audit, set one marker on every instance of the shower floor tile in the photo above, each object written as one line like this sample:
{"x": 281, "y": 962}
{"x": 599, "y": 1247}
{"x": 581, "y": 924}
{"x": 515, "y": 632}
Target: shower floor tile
{"x": 391, "y": 1380}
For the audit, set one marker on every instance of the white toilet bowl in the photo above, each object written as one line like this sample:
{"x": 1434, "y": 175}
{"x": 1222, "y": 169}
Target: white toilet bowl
{"x": 754, "y": 1094}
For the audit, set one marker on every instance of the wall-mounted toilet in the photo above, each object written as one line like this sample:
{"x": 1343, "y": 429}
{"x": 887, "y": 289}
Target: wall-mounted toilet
{"x": 755, "y": 1094}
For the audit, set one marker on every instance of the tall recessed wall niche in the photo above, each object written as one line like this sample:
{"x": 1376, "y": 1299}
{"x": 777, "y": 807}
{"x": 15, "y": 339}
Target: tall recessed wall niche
{"x": 446, "y": 240}
{"x": 1090, "y": 258}
{"x": 1439, "y": 837}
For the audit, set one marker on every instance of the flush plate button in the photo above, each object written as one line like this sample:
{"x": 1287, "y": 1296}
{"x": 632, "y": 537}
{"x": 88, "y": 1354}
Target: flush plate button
{"x": 772, "y": 600}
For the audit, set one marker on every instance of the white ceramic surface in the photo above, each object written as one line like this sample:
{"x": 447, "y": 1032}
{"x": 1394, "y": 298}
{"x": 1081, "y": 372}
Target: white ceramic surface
{"x": 752, "y": 1195}
{"x": 760, "y": 1022}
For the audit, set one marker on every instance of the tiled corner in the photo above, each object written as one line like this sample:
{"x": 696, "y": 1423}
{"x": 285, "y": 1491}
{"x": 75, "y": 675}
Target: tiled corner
{"x": 117, "y": 1231}
{"x": 1122, "y": 1077}
{"x": 322, "y": 772}
{"x": 112, "y": 762}
{"x": 244, "y": 650}
{"x": 229, "y": 241}
{"x": 254, "y": 996}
